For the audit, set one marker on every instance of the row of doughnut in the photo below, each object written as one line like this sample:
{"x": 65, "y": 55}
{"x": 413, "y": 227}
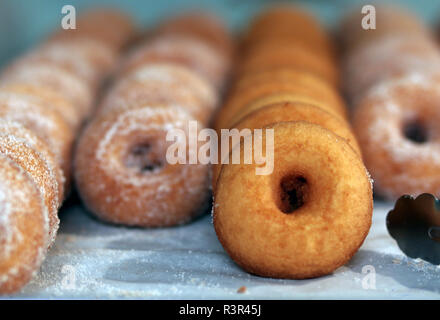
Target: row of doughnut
{"x": 391, "y": 77}
{"x": 44, "y": 97}
{"x": 312, "y": 213}
{"x": 171, "y": 79}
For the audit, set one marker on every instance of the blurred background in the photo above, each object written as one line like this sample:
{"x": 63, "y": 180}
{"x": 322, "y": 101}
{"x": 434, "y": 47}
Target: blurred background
{"x": 23, "y": 23}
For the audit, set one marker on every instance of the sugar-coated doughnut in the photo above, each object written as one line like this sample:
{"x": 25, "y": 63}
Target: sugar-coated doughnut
{"x": 170, "y": 81}
{"x": 24, "y": 227}
{"x": 396, "y": 124}
{"x": 123, "y": 175}
{"x": 45, "y": 96}
{"x": 392, "y": 78}
{"x": 85, "y": 58}
{"x": 163, "y": 83}
{"x": 304, "y": 220}
{"x": 54, "y": 78}
{"x": 34, "y": 164}
{"x": 193, "y": 53}
{"x": 202, "y": 25}
{"x": 111, "y": 27}
{"x": 50, "y": 98}
{"x": 390, "y": 21}
{"x": 45, "y": 123}
{"x": 19, "y": 131}
{"x": 388, "y": 57}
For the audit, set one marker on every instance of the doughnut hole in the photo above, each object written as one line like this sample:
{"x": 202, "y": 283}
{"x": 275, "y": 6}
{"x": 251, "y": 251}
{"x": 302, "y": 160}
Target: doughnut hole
{"x": 416, "y": 131}
{"x": 292, "y": 193}
{"x": 144, "y": 157}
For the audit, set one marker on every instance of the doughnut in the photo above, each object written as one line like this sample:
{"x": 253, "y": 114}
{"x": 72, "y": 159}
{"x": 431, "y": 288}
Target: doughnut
{"x": 108, "y": 26}
{"x": 390, "y": 21}
{"x": 201, "y": 25}
{"x": 50, "y": 98}
{"x": 34, "y": 164}
{"x": 286, "y": 98}
{"x": 163, "y": 83}
{"x": 305, "y": 219}
{"x": 185, "y": 51}
{"x": 367, "y": 66}
{"x": 292, "y": 111}
{"x": 54, "y": 78}
{"x": 34, "y": 142}
{"x": 285, "y": 22}
{"x": 396, "y": 124}
{"x": 47, "y": 124}
{"x": 328, "y": 99}
{"x": 168, "y": 82}
{"x": 44, "y": 97}
{"x": 295, "y": 57}
{"x": 84, "y": 58}
{"x": 122, "y": 173}
{"x": 24, "y": 227}
{"x": 391, "y": 79}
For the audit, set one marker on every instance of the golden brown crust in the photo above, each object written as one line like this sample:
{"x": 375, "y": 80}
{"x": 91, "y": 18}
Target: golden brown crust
{"x": 314, "y": 239}
{"x": 291, "y": 111}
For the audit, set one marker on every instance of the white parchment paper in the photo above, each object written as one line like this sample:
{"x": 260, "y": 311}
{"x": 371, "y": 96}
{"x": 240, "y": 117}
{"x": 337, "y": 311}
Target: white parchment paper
{"x": 93, "y": 260}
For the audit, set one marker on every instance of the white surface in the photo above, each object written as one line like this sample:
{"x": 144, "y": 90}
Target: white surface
{"x": 98, "y": 261}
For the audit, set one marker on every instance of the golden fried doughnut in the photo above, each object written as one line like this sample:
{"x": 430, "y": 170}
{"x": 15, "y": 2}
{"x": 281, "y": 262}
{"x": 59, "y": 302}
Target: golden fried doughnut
{"x": 122, "y": 173}
{"x": 301, "y": 92}
{"x": 304, "y": 220}
{"x": 286, "y": 21}
{"x": 293, "y": 57}
{"x": 292, "y": 111}
{"x": 24, "y": 227}
{"x": 340, "y": 113}
{"x": 396, "y": 124}
{"x": 324, "y": 50}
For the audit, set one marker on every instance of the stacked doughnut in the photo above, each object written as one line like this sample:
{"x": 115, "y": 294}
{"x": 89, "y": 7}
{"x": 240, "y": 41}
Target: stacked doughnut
{"x": 44, "y": 97}
{"x": 312, "y": 213}
{"x": 168, "y": 82}
{"x": 392, "y": 80}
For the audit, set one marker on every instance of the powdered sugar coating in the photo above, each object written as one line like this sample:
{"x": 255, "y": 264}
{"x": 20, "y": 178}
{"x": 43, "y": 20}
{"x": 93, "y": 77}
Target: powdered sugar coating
{"x": 50, "y": 99}
{"x": 398, "y": 164}
{"x": 202, "y": 25}
{"x": 56, "y": 79}
{"x": 166, "y": 195}
{"x": 33, "y": 162}
{"x": 24, "y": 226}
{"x": 387, "y": 58}
{"x": 163, "y": 83}
{"x": 40, "y": 150}
{"x": 46, "y": 124}
{"x": 183, "y": 50}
